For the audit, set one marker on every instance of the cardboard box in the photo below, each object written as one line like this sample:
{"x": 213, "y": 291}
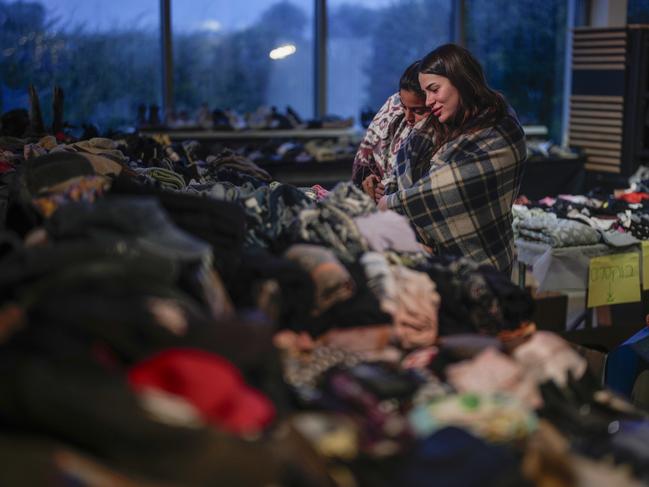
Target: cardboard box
{"x": 550, "y": 310}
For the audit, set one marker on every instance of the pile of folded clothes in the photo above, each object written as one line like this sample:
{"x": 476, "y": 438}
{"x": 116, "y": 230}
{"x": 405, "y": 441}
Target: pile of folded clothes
{"x": 617, "y": 220}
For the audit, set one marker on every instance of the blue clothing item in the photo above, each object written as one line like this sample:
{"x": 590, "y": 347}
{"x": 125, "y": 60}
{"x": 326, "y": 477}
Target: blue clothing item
{"x": 626, "y": 361}
{"x": 271, "y": 211}
{"x": 454, "y": 458}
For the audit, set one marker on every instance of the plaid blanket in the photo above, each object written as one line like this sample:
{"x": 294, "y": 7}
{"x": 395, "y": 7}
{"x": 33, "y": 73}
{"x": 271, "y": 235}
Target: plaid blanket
{"x": 460, "y": 199}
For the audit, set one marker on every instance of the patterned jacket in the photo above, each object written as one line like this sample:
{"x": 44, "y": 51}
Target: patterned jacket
{"x": 377, "y": 153}
{"x": 460, "y": 199}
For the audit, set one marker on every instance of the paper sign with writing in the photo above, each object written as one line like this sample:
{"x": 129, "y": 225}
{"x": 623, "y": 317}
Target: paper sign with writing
{"x": 614, "y": 279}
{"x": 645, "y": 265}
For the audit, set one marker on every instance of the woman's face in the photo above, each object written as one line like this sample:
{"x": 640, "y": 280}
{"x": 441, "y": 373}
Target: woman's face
{"x": 441, "y": 96}
{"x": 414, "y": 107}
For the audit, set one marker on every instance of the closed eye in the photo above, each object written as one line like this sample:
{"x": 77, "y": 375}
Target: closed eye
{"x": 432, "y": 88}
{"x": 420, "y": 110}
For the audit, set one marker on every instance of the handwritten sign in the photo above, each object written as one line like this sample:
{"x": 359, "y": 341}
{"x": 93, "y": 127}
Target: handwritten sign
{"x": 645, "y": 265}
{"x": 614, "y": 279}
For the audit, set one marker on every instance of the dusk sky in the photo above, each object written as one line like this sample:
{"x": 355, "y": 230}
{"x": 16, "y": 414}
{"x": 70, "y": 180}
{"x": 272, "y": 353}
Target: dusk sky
{"x": 187, "y": 14}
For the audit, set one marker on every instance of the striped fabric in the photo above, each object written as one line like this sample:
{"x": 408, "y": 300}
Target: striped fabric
{"x": 460, "y": 199}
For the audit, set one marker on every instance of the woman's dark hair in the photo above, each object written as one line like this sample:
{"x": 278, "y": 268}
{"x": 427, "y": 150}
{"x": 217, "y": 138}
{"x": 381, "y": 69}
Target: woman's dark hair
{"x": 410, "y": 80}
{"x": 480, "y": 106}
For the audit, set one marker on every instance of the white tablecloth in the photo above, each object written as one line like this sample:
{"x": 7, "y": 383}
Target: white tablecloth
{"x": 563, "y": 268}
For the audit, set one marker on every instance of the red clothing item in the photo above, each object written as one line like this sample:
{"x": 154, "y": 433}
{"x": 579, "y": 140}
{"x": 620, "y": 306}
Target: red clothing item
{"x": 210, "y": 383}
{"x": 5, "y": 167}
{"x": 634, "y": 197}
{"x": 522, "y": 200}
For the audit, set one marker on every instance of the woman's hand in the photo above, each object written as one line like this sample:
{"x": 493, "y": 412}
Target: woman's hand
{"x": 369, "y": 185}
{"x": 379, "y": 191}
{"x": 383, "y": 203}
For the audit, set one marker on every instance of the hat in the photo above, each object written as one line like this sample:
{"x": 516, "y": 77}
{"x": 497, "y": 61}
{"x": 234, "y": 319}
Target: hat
{"x": 54, "y": 168}
{"x": 210, "y": 383}
{"x": 137, "y": 220}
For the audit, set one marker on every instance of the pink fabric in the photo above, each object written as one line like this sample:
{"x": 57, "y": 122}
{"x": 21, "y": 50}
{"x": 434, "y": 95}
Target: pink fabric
{"x": 548, "y": 201}
{"x": 547, "y": 356}
{"x": 416, "y": 317}
{"x": 388, "y": 230}
{"x": 320, "y": 192}
{"x": 491, "y": 371}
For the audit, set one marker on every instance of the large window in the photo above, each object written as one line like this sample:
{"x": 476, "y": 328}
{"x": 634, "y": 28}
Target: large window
{"x": 240, "y": 55}
{"x": 222, "y": 54}
{"x": 103, "y": 54}
{"x": 371, "y": 42}
{"x": 521, "y": 45}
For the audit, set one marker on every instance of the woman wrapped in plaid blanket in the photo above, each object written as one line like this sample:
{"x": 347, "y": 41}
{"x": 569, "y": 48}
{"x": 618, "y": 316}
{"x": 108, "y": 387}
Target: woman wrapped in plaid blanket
{"x": 458, "y": 175}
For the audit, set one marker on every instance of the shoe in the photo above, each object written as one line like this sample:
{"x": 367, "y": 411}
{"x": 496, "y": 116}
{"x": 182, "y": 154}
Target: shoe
{"x": 293, "y": 117}
{"x": 36, "y": 125}
{"x": 154, "y": 115}
{"x": 57, "y": 110}
{"x": 141, "y": 116}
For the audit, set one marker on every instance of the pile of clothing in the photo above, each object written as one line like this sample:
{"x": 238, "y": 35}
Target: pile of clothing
{"x": 171, "y": 317}
{"x": 617, "y": 220}
{"x": 278, "y": 151}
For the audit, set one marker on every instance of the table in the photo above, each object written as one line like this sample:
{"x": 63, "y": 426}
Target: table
{"x": 562, "y": 268}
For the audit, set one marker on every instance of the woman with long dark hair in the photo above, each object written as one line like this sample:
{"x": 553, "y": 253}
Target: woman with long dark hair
{"x": 457, "y": 177}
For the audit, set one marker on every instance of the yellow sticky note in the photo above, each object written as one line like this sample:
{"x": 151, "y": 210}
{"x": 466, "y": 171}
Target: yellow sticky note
{"x": 614, "y": 279}
{"x": 645, "y": 265}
